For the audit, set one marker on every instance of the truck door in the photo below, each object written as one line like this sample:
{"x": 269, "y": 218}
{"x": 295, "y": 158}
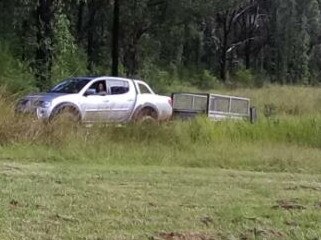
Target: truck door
{"x": 120, "y": 101}
{"x": 94, "y": 101}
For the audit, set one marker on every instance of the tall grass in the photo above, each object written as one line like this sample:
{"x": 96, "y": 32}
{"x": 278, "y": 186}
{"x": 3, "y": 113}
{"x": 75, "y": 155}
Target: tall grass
{"x": 284, "y": 100}
{"x": 280, "y": 100}
{"x": 289, "y": 143}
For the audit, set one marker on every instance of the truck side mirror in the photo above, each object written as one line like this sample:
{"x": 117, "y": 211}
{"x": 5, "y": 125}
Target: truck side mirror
{"x": 90, "y": 92}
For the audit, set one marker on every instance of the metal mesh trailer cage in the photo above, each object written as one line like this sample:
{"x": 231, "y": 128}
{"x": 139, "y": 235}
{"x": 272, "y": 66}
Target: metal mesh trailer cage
{"x": 214, "y": 106}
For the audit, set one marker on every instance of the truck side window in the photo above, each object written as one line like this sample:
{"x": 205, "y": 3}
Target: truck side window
{"x": 118, "y": 87}
{"x": 99, "y": 88}
{"x": 143, "y": 89}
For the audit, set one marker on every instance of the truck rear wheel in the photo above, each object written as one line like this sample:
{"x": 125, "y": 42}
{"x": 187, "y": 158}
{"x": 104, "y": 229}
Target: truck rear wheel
{"x": 146, "y": 115}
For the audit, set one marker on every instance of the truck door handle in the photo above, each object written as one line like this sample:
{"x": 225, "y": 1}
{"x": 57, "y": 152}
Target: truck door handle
{"x": 106, "y": 101}
{"x": 130, "y": 100}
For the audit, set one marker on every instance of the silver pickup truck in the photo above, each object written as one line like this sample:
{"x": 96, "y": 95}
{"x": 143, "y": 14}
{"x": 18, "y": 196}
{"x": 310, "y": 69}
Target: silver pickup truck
{"x": 99, "y": 99}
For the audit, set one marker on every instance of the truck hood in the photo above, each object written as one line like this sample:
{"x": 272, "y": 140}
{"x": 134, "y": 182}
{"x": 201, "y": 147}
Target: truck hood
{"x": 47, "y": 96}
{"x": 28, "y": 104}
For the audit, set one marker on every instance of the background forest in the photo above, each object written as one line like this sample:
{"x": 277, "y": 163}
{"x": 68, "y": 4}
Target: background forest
{"x": 203, "y": 43}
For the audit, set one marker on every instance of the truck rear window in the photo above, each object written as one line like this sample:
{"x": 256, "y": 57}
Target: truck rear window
{"x": 118, "y": 87}
{"x": 143, "y": 89}
{"x": 119, "y": 90}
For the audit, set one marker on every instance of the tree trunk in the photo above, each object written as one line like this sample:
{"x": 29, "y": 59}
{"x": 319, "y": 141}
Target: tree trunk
{"x": 223, "y": 64}
{"x": 80, "y": 20}
{"x": 24, "y": 39}
{"x": 131, "y": 60}
{"x": 91, "y": 32}
{"x": 115, "y": 43}
{"x": 248, "y": 56}
{"x": 44, "y": 16}
{"x": 223, "y": 60}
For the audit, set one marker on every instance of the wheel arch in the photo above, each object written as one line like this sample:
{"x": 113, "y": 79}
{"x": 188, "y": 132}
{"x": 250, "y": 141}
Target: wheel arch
{"x": 142, "y": 107}
{"x": 63, "y": 105}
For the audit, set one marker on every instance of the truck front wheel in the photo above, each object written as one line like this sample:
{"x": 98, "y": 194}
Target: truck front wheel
{"x": 65, "y": 114}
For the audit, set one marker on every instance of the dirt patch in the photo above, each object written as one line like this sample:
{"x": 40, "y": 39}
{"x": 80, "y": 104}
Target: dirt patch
{"x": 182, "y": 236}
{"x": 318, "y": 205}
{"x": 303, "y": 187}
{"x": 13, "y": 203}
{"x": 289, "y": 205}
{"x": 262, "y": 233}
{"x": 58, "y": 217}
{"x": 7, "y": 169}
{"x": 151, "y": 204}
{"x": 291, "y": 223}
{"x": 206, "y": 220}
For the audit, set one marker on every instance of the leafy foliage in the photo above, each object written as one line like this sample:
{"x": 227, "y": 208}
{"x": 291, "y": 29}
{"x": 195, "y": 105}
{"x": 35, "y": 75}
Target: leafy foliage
{"x": 69, "y": 59}
{"x": 57, "y": 38}
{"x": 14, "y": 75}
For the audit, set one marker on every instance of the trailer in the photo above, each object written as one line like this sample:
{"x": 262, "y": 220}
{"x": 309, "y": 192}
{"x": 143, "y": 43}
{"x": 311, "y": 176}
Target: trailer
{"x": 215, "y": 106}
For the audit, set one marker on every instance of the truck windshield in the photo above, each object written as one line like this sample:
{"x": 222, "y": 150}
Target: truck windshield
{"x": 73, "y": 85}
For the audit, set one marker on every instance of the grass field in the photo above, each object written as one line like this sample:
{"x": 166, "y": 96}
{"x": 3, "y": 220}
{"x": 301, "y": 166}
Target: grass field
{"x": 89, "y": 201}
{"x": 179, "y": 180}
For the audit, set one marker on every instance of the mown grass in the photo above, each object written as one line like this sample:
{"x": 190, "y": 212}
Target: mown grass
{"x": 89, "y": 201}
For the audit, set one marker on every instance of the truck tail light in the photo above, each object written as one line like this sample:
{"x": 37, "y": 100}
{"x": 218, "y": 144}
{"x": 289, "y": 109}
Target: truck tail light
{"x": 170, "y": 101}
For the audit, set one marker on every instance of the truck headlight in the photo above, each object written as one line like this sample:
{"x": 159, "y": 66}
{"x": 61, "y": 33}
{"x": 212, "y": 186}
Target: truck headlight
{"x": 44, "y": 104}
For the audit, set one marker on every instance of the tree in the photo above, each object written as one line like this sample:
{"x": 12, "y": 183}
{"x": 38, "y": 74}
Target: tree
{"x": 55, "y": 37}
{"x": 115, "y": 46}
{"x": 44, "y": 54}
{"x": 68, "y": 58}
{"x": 301, "y": 54}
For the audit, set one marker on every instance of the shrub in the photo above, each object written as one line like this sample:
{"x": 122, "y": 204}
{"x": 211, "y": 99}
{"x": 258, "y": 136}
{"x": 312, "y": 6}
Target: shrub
{"x": 69, "y": 59}
{"x": 205, "y": 80}
{"x": 15, "y": 75}
{"x": 159, "y": 80}
{"x": 244, "y": 78}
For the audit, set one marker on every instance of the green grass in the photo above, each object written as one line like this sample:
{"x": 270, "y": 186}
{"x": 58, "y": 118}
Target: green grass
{"x": 90, "y": 201}
{"x": 220, "y": 179}
{"x": 292, "y": 145}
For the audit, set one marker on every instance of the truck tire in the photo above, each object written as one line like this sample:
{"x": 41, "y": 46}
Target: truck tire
{"x": 65, "y": 114}
{"x": 146, "y": 115}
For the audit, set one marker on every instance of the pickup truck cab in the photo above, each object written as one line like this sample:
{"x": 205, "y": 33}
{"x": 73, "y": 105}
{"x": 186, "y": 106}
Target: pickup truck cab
{"x": 99, "y": 99}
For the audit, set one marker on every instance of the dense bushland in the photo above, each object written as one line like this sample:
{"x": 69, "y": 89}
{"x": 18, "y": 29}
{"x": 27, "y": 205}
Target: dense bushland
{"x": 199, "y": 43}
